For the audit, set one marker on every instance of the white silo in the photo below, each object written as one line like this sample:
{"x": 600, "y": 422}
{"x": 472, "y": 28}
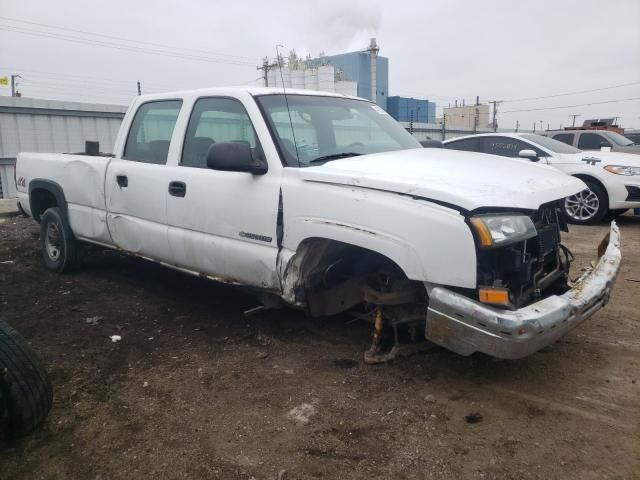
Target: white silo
{"x": 326, "y": 78}
{"x": 297, "y": 78}
{"x": 311, "y": 79}
{"x": 347, "y": 87}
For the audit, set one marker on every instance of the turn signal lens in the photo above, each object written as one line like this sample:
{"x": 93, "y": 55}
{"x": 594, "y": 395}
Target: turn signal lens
{"x": 484, "y": 235}
{"x": 494, "y": 296}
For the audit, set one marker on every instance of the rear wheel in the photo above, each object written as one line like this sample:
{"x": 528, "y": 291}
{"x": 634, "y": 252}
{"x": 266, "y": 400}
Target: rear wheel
{"x": 25, "y": 388}
{"x": 588, "y": 206}
{"x": 58, "y": 245}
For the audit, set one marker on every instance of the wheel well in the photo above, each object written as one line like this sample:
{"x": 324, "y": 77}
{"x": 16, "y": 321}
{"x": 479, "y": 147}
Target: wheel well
{"x": 322, "y": 254}
{"x": 323, "y": 265}
{"x": 589, "y": 178}
{"x": 40, "y": 200}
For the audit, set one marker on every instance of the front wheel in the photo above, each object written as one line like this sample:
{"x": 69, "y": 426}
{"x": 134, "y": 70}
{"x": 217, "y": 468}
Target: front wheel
{"x": 588, "y": 206}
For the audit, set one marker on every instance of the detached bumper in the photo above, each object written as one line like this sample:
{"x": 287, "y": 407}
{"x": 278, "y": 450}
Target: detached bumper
{"x": 466, "y": 326}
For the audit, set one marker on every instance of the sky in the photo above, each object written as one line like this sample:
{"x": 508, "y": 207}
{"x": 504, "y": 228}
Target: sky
{"x": 503, "y": 50}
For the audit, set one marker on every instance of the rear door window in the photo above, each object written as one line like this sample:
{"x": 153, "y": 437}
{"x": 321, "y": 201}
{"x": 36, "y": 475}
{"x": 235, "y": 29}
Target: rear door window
{"x": 151, "y": 130}
{"x": 564, "y": 138}
{"x": 467, "y": 145}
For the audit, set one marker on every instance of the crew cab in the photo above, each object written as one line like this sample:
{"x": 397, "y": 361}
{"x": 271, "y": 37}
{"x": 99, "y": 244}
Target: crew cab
{"x": 594, "y": 140}
{"x": 325, "y": 203}
{"x": 612, "y": 178}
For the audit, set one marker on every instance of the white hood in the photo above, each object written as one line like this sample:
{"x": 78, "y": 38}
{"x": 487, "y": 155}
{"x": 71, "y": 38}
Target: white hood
{"x": 464, "y": 179}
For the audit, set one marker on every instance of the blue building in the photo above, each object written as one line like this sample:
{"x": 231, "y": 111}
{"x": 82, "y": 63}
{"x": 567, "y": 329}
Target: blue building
{"x": 356, "y": 66}
{"x": 405, "y": 109}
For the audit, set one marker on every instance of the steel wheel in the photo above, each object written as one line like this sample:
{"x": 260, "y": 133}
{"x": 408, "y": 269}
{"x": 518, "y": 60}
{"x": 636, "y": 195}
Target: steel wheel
{"x": 53, "y": 241}
{"x": 582, "y": 206}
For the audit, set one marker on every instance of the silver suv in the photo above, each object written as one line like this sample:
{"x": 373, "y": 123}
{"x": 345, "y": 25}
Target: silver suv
{"x": 594, "y": 140}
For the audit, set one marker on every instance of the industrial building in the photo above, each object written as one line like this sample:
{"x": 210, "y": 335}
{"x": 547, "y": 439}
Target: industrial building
{"x": 364, "y": 74}
{"x": 464, "y": 116}
{"x": 405, "y": 109}
{"x": 35, "y": 125}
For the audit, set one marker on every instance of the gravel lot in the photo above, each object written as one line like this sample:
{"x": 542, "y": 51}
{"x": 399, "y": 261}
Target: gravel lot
{"x": 194, "y": 390}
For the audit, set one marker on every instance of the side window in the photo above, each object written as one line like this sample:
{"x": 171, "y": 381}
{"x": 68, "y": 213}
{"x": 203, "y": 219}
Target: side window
{"x": 591, "y": 141}
{"x": 151, "y": 130}
{"x": 468, "y": 145}
{"x": 215, "y": 120}
{"x": 506, "y": 146}
{"x": 564, "y": 138}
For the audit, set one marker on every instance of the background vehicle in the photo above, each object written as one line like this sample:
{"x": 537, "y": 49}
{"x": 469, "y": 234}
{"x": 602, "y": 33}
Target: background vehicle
{"x": 326, "y": 203}
{"x": 594, "y": 140}
{"x": 613, "y": 179}
{"x": 25, "y": 389}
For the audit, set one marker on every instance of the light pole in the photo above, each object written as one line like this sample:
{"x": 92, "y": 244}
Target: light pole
{"x": 13, "y": 84}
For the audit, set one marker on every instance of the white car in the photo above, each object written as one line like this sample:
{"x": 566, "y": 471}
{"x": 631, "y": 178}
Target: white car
{"x": 612, "y": 178}
{"x": 326, "y": 203}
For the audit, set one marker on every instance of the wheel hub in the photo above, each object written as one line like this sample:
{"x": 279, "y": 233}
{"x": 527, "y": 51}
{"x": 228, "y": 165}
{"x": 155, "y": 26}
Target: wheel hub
{"x": 582, "y": 206}
{"x": 53, "y": 241}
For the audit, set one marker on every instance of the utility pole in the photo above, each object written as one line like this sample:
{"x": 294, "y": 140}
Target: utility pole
{"x": 517, "y": 125}
{"x": 444, "y": 126}
{"x": 476, "y": 119}
{"x": 495, "y": 114}
{"x": 534, "y": 126}
{"x": 266, "y": 66}
{"x": 139, "y": 88}
{"x": 573, "y": 123}
{"x": 13, "y": 85}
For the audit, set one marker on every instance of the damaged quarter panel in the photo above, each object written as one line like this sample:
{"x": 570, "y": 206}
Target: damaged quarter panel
{"x": 428, "y": 241}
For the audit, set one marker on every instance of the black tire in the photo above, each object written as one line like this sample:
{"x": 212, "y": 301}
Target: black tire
{"x": 25, "y": 389}
{"x": 59, "y": 246}
{"x": 587, "y": 207}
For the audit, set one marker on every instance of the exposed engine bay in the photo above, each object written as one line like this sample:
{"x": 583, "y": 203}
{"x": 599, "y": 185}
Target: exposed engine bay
{"x": 531, "y": 269}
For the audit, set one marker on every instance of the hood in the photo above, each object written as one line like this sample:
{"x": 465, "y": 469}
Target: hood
{"x": 464, "y": 179}
{"x": 607, "y": 158}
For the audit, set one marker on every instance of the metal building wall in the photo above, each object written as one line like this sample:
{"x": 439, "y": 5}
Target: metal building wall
{"x": 37, "y": 125}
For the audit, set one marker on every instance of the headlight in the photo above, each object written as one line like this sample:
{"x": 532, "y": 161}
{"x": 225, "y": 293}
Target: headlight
{"x": 623, "y": 170}
{"x": 499, "y": 230}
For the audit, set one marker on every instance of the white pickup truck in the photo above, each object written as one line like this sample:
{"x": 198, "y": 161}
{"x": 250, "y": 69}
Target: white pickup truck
{"x": 325, "y": 203}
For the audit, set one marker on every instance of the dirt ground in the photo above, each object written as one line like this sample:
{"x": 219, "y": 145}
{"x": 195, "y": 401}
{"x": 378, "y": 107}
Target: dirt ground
{"x": 195, "y": 390}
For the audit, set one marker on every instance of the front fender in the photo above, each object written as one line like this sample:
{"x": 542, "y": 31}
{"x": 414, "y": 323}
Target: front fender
{"x": 431, "y": 243}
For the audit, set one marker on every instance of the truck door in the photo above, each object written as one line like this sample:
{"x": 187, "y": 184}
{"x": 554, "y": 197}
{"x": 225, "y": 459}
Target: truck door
{"x": 222, "y": 223}
{"x": 136, "y": 185}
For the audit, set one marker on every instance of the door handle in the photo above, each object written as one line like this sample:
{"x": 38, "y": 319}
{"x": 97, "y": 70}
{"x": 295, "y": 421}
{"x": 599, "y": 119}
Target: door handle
{"x": 177, "y": 189}
{"x": 123, "y": 181}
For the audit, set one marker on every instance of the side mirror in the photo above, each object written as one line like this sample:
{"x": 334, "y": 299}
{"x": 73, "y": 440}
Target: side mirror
{"x": 235, "y": 157}
{"x": 431, "y": 143}
{"x": 528, "y": 153}
{"x": 605, "y": 146}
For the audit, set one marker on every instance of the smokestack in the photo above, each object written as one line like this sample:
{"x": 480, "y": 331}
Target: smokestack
{"x": 463, "y": 102}
{"x": 373, "y": 57}
{"x": 478, "y": 100}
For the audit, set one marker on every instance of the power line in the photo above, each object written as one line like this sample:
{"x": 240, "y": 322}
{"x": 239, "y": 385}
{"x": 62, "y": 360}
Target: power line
{"x": 65, "y": 77}
{"x": 576, "y": 105}
{"x": 573, "y": 93}
{"x": 129, "y": 48}
{"x": 112, "y": 37}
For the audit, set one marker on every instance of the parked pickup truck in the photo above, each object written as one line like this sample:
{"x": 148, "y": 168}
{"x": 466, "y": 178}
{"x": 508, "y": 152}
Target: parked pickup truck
{"x": 325, "y": 203}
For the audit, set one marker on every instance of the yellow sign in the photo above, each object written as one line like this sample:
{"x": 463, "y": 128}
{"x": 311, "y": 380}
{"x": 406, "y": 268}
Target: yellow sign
{"x": 4, "y": 80}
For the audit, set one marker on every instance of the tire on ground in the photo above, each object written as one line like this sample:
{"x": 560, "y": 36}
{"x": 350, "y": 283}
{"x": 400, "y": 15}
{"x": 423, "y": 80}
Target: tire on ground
{"x": 25, "y": 388}
{"x": 603, "y": 204}
{"x": 59, "y": 246}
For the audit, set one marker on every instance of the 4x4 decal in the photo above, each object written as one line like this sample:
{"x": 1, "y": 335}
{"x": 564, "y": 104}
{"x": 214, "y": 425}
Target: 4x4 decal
{"x": 591, "y": 160}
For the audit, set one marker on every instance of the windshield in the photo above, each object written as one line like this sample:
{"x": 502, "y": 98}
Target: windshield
{"x": 327, "y": 128}
{"x": 549, "y": 143}
{"x": 619, "y": 139}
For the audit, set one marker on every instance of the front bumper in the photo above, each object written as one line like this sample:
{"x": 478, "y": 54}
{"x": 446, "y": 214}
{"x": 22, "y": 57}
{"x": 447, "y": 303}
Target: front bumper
{"x": 466, "y": 326}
